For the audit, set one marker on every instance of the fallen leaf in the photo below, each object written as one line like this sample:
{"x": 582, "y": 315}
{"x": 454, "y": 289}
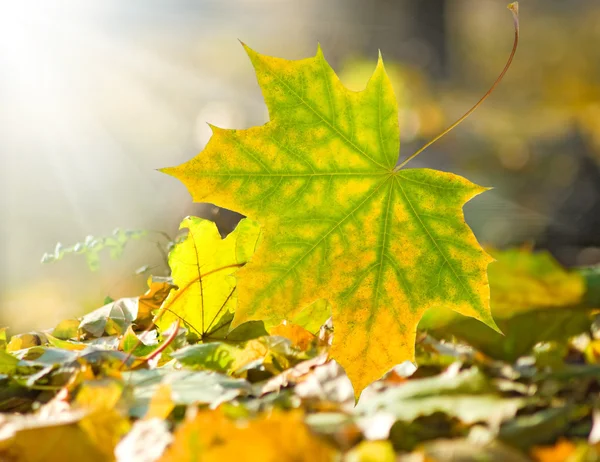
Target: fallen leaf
{"x": 66, "y": 329}
{"x": 57, "y": 433}
{"x": 219, "y": 356}
{"x": 105, "y": 421}
{"x": 522, "y": 280}
{"x": 158, "y": 291}
{"x": 8, "y": 363}
{"x": 341, "y": 222}
{"x": 540, "y": 428}
{"x": 247, "y": 331}
{"x": 273, "y": 353}
{"x": 327, "y": 384}
{"x": 111, "y": 319}
{"x": 202, "y": 267}
{"x": 594, "y": 436}
{"x": 141, "y": 345}
{"x": 146, "y": 441}
{"x": 558, "y": 452}
{"x": 313, "y": 316}
{"x": 3, "y": 340}
{"x": 467, "y": 395}
{"x": 372, "y": 451}
{"x": 464, "y": 450}
{"x": 30, "y": 439}
{"x": 187, "y": 387}
{"x": 24, "y": 341}
{"x": 290, "y": 376}
{"x": 279, "y": 436}
{"x": 117, "y": 316}
{"x": 533, "y": 299}
{"x": 161, "y": 403}
{"x": 65, "y": 344}
{"x": 299, "y": 336}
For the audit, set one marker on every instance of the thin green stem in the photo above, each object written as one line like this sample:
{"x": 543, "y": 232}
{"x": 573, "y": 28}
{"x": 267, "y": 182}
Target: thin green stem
{"x": 514, "y": 8}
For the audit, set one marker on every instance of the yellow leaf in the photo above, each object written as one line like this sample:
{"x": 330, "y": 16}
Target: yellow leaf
{"x": 23, "y": 341}
{"x": 105, "y": 422}
{"x": 280, "y": 436}
{"x": 202, "y": 268}
{"x": 313, "y": 316}
{"x": 521, "y": 281}
{"x": 161, "y": 403}
{"x": 88, "y": 431}
{"x": 371, "y": 451}
{"x": 2, "y": 338}
{"x": 592, "y": 352}
{"x": 65, "y": 344}
{"x": 34, "y": 442}
{"x": 341, "y": 222}
{"x": 533, "y": 299}
{"x": 67, "y": 329}
{"x": 265, "y": 349}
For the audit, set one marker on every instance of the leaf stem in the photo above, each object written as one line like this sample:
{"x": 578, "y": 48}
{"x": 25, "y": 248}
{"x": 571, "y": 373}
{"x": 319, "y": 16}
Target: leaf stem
{"x": 164, "y": 345}
{"x": 156, "y": 352}
{"x": 514, "y": 8}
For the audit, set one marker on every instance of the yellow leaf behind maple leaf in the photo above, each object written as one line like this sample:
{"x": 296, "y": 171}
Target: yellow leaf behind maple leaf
{"x": 202, "y": 268}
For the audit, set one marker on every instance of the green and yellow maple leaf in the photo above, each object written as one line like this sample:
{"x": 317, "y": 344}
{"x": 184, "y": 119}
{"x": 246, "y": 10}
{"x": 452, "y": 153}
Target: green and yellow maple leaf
{"x": 340, "y": 221}
{"x": 202, "y": 267}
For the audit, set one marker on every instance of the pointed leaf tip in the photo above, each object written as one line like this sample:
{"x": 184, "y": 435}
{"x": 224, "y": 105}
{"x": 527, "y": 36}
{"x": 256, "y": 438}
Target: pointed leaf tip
{"x": 319, "y": 50}
{"x": 249, "y": 51}
{"x": 213, "y": 127}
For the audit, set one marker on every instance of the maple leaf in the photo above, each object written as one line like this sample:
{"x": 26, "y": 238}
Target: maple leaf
{"x": 202, "y": 267}
{"x": 340, "y": 221}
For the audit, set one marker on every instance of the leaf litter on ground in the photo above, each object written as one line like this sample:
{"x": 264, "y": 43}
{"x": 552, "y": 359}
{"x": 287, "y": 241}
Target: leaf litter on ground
{"x": 176, "y": 373}
{"x": 278, "y": 393}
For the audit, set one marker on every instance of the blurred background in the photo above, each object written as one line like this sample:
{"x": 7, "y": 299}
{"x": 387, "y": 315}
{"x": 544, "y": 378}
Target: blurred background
{"x": 96, "y": 95}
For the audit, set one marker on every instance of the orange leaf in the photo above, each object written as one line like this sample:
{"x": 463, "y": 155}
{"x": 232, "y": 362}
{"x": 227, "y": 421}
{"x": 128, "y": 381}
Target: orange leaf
{"x": 557, "y": 453}
{"x": 299, "y": 336}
